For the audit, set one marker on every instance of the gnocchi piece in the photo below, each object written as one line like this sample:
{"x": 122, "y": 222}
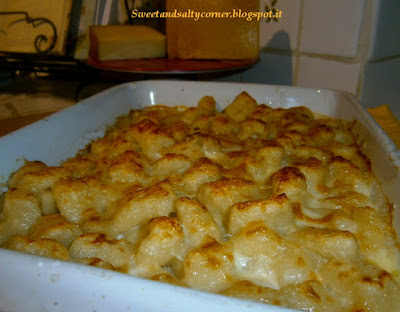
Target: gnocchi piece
{"x": 143, "y": 205}
{"x": 118, "y": 253}
{"x": 45, "y": 247}
{"x": 20, "y": 211}
{"x": 55, "y": 227}
{"x": 219, "y": 196}
{"x": 241, "y": 107}
{"x": 163, "y": 243}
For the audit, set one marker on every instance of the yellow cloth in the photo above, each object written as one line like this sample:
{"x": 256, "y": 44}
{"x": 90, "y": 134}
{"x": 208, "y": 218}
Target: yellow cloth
{"x": 389, "y": 123}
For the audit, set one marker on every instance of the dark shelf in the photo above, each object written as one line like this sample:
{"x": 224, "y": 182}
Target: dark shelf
{"x": 47, "y": 64}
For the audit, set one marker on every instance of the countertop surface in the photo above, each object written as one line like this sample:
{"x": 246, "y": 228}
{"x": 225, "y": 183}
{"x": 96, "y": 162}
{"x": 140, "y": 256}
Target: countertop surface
{"x": 27, "y": 100}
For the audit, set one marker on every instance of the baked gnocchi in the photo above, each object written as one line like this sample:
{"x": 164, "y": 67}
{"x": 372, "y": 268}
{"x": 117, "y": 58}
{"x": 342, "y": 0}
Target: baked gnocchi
{"x": 274, "y": 205}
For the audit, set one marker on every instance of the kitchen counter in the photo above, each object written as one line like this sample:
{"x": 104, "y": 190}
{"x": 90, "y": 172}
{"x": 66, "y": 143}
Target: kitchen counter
{"x": 28, "y": 99}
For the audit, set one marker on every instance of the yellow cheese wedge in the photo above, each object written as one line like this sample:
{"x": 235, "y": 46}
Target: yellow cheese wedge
{"x": 122, "y": 42}
{"x": 212, "y": 37}
{"x": 386, "y": 119}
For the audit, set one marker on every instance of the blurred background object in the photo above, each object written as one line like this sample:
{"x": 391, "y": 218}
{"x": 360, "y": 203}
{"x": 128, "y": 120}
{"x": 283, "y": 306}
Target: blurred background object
{"x": 34, "y": 26}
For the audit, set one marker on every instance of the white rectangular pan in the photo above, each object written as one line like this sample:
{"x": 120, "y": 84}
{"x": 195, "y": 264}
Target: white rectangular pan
{"x": 30, "y": 283}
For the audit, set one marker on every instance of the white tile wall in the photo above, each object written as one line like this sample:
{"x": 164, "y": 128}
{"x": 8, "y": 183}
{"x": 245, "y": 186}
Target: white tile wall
{"x": 331, "y": 27}
{"x": 271, "y": 69}
{"x": 385, "y": 29}
{"x": 329, "y": 31}
{"x": 328, "y": 74}
{"x": 283, "y": 33}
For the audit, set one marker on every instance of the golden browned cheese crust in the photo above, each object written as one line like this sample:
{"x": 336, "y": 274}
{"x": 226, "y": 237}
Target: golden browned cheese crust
{"x": 272, "y": 205}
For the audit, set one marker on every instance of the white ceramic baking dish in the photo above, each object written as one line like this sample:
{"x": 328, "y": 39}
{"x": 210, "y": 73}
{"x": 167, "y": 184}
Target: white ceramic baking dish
{"x": 30, "y": 283}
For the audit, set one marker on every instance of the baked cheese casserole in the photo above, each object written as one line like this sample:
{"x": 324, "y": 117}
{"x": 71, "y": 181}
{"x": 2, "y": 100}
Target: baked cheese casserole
{"x": 277, "y": 205}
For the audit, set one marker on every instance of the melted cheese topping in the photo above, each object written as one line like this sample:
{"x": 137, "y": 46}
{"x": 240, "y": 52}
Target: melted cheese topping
{"x": 272, "y": 205}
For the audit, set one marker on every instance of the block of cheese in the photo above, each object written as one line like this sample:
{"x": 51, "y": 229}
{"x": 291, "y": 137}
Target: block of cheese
{"x": 212, "y": 37}
{"x": 123, "y": 42}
